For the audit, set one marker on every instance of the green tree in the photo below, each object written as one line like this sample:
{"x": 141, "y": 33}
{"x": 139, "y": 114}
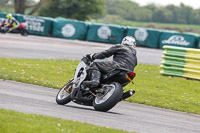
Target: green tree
{"x": 162, "y": 15}
{"x": 145, "y": 15}
{"x": 185, "y": 14}
{"x": 130, "y": 10}
{"x": 151, "y": 7}
{"x": 74, "y": 9}
{"x": 175, "y": 11}
{"x": 127, "y": 9}
{"x": 196, "y": 16}
{"x": 20, "y": 6}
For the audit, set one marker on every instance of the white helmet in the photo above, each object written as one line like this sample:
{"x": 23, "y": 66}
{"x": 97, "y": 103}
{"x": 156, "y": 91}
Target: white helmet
{"x": 129, "y": 40}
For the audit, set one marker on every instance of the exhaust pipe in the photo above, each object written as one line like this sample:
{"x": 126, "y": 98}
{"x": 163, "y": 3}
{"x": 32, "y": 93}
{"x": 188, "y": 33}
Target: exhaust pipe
{"x": 128, "y": 94}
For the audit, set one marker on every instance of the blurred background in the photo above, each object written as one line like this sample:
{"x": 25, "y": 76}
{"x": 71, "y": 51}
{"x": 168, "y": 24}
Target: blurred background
{"x": 153, "y": 23}
{"x": 140, "y": 13}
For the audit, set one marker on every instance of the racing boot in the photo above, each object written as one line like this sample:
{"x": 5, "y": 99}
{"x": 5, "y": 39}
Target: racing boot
{"x": 95, "y": 79}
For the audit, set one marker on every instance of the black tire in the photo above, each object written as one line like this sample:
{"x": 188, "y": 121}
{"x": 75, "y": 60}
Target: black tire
{"x": 111, "y": 101}
{"x": 2, "y": 31}
{"x": 24, "y": 32}
{"x": 64, "y": 98}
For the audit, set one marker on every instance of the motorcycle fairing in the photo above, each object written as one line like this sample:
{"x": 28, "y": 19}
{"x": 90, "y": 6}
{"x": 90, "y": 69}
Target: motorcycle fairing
{"x": 23, "y": 25}
{"x": 80, "y": 74}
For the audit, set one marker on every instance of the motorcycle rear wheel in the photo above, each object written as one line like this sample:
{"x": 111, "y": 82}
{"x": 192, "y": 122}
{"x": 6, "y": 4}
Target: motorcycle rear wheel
{"x": 63, "y": 96}
{"x": 110, "y": 99}
{"x": 3, "y": 31}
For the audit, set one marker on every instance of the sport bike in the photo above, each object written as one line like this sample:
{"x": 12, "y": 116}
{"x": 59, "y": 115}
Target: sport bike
{"x": 102, "y": 98}
{"x": 22, "y": 29}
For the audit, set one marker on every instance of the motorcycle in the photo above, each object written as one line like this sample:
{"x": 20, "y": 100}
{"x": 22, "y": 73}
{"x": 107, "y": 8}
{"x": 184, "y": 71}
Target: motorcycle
{"x": 22, "y": 29}
{"x": 102, "y": 98}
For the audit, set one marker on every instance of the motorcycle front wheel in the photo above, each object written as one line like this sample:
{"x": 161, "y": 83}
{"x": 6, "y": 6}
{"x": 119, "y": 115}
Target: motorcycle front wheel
{"x": 110, "y": 99}
{"x": 63, "y": 96}
{"x": 24, "y": 32}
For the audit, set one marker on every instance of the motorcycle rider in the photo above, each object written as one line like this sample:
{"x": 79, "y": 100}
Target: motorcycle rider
{"x": 11, "y": 23}
{"x": 124, "y": 56}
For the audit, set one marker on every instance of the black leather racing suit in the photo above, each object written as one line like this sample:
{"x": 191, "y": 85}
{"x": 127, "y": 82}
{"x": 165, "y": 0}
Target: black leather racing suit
{"x": 124, "y": 56}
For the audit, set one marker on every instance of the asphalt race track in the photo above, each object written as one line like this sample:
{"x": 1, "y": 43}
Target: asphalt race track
{"x": 40, "y": 100}
{"x": 36, "y": 47}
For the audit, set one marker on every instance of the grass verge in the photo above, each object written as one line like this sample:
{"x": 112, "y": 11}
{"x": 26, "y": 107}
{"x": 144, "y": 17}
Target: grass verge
{"x": 151, "y": 88}
{"x": 16, "y": 122}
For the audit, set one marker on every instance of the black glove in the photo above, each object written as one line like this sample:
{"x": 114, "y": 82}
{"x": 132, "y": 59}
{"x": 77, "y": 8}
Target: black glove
{"x": 90, "y": 57}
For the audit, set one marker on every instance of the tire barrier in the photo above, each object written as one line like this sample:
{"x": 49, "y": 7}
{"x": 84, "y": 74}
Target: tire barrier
{"x": 73, "y": 29}
{"x": 105, "y": 33}
{"x": 183, "y": 62}
{"x": 198, "y": 42}
{"x": 177, "y": 39}
{"x": 145, "y": 37}
{"x": 37, "y": 25}
{"x": 69, "y": 29}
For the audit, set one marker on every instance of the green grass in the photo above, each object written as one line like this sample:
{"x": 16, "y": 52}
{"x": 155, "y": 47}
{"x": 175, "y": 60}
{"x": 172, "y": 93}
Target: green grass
{"x": 174, "y": 93}
{"x": 15, "y": 122}
{"x": 48, "y": 73}
{"x": 153, "y": 89}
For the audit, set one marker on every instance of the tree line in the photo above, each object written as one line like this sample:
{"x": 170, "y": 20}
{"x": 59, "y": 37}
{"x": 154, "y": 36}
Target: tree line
{"x": 74, "y": 9}
{"x": 131, "y": 10}
{"x": 94, "y": 9}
